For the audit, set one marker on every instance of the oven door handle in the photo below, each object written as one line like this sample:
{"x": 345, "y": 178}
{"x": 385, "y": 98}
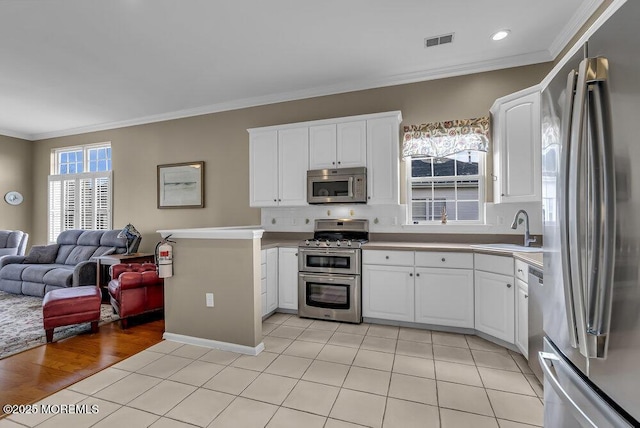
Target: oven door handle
{"x": 323, "y": 251}
{"x": 326, "y": 278}
{"x": 351, "y": 187}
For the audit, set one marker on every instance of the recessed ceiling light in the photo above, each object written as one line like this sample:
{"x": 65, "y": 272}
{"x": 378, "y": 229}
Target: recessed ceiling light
{"x": 499, "y": 35}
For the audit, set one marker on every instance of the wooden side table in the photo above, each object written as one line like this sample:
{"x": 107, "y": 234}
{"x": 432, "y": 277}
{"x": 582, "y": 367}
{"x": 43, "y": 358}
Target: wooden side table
{"x": 103, "y": 263}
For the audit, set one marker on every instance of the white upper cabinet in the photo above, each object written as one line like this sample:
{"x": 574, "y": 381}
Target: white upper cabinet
{"x": 517, "y": 147}
{"x": 342, "y": 145}
{"x": 383, "y": 161}
{"x": 281, "y": 155}
{"x": 278, "y": 167}
{"x": 322, "y": 147}
{"x": 263, "y": 167}
{"x": 293, "y": 152}
{"x": 351, "y": 148}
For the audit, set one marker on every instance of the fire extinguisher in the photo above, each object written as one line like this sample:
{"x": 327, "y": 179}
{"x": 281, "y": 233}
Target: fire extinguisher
{"x": 164, "y": 258}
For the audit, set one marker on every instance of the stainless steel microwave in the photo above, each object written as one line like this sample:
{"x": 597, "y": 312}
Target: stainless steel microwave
{"x": 337, "y": 186}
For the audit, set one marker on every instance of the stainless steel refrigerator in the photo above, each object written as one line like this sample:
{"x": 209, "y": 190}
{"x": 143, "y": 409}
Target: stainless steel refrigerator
{"x": 591, "y": 205}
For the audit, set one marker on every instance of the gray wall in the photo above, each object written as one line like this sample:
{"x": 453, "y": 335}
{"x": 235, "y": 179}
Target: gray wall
{"x": 16, "y": 173}
{"x": 222, "y": 142}
{"x": 231, "y": 270}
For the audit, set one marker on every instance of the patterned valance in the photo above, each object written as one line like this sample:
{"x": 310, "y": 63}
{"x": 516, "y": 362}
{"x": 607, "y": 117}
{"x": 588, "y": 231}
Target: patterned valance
{"x": 440, "y": 139}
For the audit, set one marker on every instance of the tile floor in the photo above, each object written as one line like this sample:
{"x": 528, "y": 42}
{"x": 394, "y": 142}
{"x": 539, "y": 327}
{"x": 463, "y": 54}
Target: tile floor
{"x": 311, "y": 374}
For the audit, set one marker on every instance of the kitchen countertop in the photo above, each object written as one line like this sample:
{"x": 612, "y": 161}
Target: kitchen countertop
{"x": 534, "y": 259}
{"x": 271, "y": 243}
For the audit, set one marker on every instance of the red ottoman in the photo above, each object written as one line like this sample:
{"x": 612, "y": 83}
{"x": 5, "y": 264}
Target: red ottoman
{"x": 74, "y": 305}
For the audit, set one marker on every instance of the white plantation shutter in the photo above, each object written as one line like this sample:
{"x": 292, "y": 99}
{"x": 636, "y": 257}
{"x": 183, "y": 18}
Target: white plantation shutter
{"x": 79, "y": 201}
{"x": 102, "y": 202}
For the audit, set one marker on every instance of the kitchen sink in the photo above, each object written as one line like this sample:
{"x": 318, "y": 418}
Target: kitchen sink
{"x": 508, "y": 247}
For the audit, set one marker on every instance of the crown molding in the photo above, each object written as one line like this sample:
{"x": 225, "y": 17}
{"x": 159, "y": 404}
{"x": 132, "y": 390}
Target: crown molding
{"x": 16, "y": 134}
{"x": 359, "y": 85}
{"x": 579, "y": 18}
{"x": 613, "y": 8}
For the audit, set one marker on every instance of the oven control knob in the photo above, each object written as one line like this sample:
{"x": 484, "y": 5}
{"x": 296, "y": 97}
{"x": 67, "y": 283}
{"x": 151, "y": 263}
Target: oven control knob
{"x": 338, "y": 243}
{"x": 306, "y": 242}
{"x": 317, "y": 243}
{"x": 349, "y": 243}
{"x": 328, "y": 243}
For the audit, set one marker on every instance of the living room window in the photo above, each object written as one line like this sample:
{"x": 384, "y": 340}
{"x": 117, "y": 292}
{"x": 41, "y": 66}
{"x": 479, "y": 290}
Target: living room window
{"x": 80, "y": 189}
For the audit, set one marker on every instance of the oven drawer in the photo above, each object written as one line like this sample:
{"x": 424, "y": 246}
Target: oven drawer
{"x": 444, "y": 259}
{"x": 343, "y": 261}
{"x": 387, "y": 257}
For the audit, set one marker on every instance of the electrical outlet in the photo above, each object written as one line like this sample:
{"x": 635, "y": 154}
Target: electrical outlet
{"x": 209, "y": 298}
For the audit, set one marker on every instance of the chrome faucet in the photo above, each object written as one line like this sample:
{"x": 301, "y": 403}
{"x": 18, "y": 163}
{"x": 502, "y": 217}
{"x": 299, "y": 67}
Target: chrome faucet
{"x": 517, "y": 220}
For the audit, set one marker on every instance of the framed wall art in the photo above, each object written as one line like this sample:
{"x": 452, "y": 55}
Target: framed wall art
{"x": 181, "y": 185}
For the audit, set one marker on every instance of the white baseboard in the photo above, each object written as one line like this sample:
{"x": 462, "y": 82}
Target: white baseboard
{"x": 214, "y": 344}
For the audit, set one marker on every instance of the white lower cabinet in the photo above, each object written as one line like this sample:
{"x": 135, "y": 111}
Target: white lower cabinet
{"x": 387, "y": 292}
{"x": 270, "y": 281}
{"x": 288, "y": 278}
{"x": 444, "y": 297}
{"x": 494, "y": 305}
{"x": 522, "y": 317}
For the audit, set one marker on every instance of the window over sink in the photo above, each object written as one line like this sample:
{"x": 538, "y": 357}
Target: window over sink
{"x": 453, "y": 184}
{"x": 445, "y": 170}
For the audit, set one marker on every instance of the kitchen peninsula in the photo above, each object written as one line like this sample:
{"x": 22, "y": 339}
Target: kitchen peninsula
{"x": 213, "y": 297}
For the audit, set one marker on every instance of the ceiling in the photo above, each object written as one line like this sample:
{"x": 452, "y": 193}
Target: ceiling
{"x": 73, "y": 66}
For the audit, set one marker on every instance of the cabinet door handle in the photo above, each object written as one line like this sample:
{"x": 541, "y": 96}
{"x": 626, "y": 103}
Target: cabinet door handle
{"x": 417, "y": 274}
{"x": 508, "y": 285}
{"x": 526, "y": 296}
{"x": 443, "y": 259}
{"x": 275, "y": 200}
{"x": 339, "y": 162}
{"x": 333, "y": 163}
{"x": 386, "y": 257}
{"x": 279, "y": 200}
{"x": 520, "y": 270}
{"x": 410, "y": 274}
{"x": 296, "y": 254}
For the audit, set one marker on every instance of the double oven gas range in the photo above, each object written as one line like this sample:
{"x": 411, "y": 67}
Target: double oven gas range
{"x": 329, "y": 271}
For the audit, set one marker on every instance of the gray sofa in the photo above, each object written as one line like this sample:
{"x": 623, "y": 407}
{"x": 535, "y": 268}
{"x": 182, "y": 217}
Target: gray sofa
{"x": 68, "y": 263}
{"x": 13, "y": 242}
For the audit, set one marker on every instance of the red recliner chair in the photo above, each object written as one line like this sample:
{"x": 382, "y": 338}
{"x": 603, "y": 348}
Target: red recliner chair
{"x": 135, "y": 289}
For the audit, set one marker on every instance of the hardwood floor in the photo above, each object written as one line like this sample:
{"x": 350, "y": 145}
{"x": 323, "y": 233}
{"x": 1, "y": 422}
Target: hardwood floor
{"x": 31, "y": 375}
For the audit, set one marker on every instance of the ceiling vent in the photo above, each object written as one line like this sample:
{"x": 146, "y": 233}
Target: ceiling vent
{"x": 438, "y": 40}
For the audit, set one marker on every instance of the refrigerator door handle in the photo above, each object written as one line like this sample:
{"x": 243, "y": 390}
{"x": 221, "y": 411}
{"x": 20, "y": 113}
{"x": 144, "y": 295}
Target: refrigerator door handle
{"x": 604, "y": 209}
{"x": 573, "y": 208}
{"x": 563, "y": 208}
{"x": 547, "y": 360}
{"x": 575, "y": 394}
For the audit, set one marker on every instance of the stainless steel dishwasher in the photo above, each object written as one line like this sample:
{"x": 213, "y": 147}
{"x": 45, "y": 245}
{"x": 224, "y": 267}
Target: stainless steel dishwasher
{"x": 536, "y": 333}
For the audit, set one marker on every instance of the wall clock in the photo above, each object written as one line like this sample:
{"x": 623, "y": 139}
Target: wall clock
{"x": 13, "y": 198}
